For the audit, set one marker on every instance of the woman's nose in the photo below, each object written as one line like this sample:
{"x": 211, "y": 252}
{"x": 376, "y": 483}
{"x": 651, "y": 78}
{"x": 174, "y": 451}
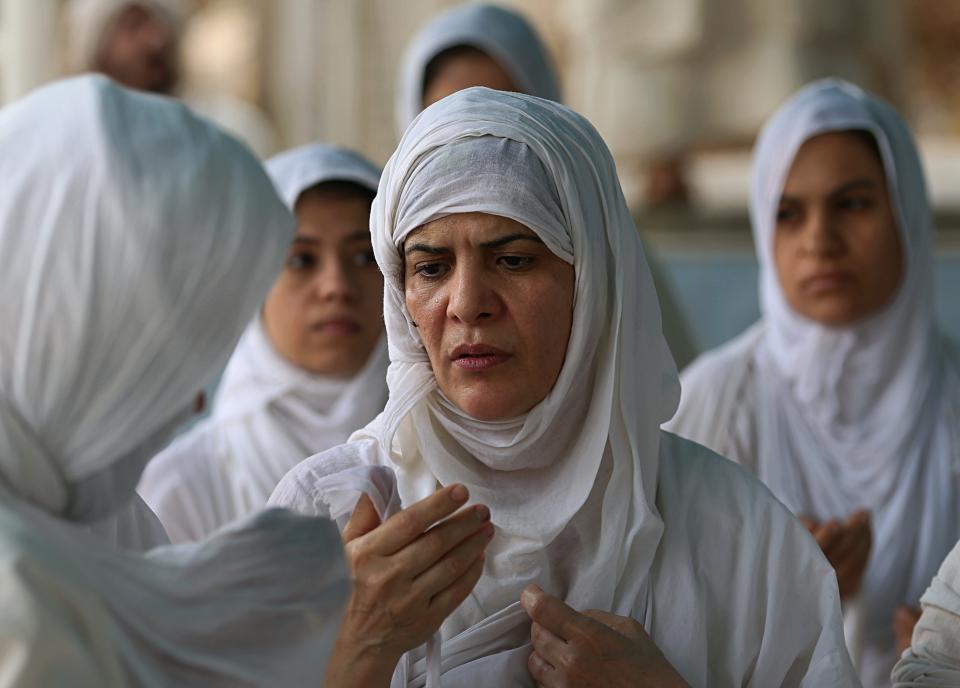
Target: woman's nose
{"x": 333, "y": 282}
{"x": 822, "y": 234}
{"x": 472, "y": 298}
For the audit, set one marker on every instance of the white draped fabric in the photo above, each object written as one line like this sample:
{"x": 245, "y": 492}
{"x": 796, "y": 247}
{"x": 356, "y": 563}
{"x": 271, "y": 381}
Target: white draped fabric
{"x": 933, "y": 660}
{"x": 136, "y": 240}
{"x": 268, "y": 414}
{"x": 503, "y": 34}
{"x": 837, "y": 419}
{"x": 590, "y": 499}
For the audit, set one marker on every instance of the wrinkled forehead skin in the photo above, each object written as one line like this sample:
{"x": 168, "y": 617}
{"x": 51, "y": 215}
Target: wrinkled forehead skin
{"x": 136, "y": 240}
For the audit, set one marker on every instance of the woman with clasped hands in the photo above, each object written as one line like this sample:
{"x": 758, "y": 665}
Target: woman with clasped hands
{"x": 528, "y": 368}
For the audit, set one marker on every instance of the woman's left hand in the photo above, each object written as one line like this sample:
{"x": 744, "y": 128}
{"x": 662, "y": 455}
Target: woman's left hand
{"x": 591, "y": 649}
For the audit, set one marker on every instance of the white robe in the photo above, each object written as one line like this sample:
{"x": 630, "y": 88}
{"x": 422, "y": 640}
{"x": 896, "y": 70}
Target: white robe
{"x": 138, "y": 240}
{"x": 268, "y": 414}
{"x": 589, "y": 498}
{"x": 933, "y": 659}
{"x": 737, "y": 594}
{"x": 838, "y": 419}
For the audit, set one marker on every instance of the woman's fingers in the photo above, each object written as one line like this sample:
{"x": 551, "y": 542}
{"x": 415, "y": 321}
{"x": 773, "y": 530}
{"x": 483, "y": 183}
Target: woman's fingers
{"x": 457, "y": 561}
{"x": 404, "y": 527}
{"x": 624, "y": 625}
{"x": 554, "y": 615}
{"x": 544, "y": 673}
{"x": 444, "y": 602}
{"x": 433, "y": 545}
{"x": 363, "y": 520}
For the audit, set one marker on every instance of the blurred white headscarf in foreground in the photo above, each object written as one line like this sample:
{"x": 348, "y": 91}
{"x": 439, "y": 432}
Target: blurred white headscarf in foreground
{"x": 589, "y": 497}
{"x": 933, "y": 660}
{"x": 268, "y": 414}
{"x": 136, "y": 241}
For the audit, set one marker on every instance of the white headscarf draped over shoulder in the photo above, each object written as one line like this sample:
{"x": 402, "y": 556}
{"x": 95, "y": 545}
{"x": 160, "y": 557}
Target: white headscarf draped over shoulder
{"x": 863, "y": 415}
{"x": 540, "y": 164}
{"x": 136, "y": 241}
{"x": 501, "y": 33}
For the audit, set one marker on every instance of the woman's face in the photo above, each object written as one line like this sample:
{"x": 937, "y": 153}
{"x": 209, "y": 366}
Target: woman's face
{"x": 325, "y": 311}
{"x": 465, "y": 69}
{"x": 494, "y": 308}
{"x": 836, "y": 245}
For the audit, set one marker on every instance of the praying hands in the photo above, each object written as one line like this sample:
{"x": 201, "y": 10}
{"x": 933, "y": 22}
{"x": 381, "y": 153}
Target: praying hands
{"x": 846, "y": 544}
{"x": 592, "y": 648}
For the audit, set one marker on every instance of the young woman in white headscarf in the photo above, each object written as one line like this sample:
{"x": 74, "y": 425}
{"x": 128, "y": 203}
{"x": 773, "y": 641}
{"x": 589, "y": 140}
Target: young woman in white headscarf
{"x": 528, "y": 367}
{"x": 136, "y": 242}
{"x": 844, "y": 398}
{"x": 310, "y": 368}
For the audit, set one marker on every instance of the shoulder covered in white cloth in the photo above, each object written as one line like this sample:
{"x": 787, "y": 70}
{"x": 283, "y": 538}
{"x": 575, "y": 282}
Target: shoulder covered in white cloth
{"x": 731, "y": 557}
{"x": 933, "y": 659}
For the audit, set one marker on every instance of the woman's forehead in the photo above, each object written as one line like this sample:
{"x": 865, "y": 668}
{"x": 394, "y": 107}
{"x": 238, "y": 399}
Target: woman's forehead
{"x": 475, "y": 226}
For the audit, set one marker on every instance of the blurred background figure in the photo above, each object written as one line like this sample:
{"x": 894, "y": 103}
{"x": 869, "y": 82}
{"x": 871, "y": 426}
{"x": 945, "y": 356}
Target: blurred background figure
{"x": 137, "y": 43}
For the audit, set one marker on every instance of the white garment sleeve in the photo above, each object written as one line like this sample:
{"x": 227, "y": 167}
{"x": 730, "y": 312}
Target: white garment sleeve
{"x": 51, "y": 635}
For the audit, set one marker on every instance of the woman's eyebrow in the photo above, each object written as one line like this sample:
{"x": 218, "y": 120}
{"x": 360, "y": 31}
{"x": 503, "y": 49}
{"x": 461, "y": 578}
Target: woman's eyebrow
{"x": 425, "y": 248}
{"x": 503, "y": 241}
{"x": 359, "y": 235}
{"x": 306, "y": 239}
{"x": 853, "y": 184}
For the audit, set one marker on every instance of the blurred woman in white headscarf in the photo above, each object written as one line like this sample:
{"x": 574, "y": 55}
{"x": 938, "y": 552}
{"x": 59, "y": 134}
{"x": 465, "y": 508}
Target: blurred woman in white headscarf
{"x": 528, "y": 368}
{"x": 310, "y": 368}
{"x": 487, "y": 45}
{"x": 844, "y": 398}
{"x": 136, "y": 241}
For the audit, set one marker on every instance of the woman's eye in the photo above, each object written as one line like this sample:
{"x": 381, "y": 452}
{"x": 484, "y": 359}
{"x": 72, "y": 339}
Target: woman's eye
{"x": 301, "y": 261}
{"x": 855, "y": 204}
{"x": 787, "y": 214}
{"x": 431, "y": 270}
{"x": 517, "y": 262}
{"x": 364, "y": 258}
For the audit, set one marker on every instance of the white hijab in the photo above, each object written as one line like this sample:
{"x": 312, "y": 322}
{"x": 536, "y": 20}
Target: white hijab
{"x": 865, "y": 415}
{"x": 135, "y": 242}
{"x": 542, "y": 165}
{"x": 270, "y": 412}
{"x": 933, "y": 660}
{"x": 501, "y": 33}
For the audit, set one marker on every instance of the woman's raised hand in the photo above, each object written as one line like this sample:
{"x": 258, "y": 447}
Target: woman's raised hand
{"x": 847, "y": 545}
{"x": 594, "y": 648}
{"x": 408, "y": 574}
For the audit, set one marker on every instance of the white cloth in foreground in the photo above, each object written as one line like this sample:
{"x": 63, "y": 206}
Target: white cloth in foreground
{"x": 836, "y": 419}
{"x": 590, "y": 499}
{"x": 501, "y": 33}
{"x": 933, "y": 660}
{"x": 268, "y": 414}
{"x": 136, "y": 240}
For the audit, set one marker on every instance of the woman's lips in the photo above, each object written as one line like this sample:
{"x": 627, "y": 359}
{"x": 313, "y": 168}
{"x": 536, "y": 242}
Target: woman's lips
{"x": 337, "y": 327}
{"x": 478, "y": 357}
{"x": 823, "y": 283}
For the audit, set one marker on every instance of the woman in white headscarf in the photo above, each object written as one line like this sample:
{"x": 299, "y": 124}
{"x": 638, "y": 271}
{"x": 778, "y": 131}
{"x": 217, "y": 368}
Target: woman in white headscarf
{"x": 136, "y": 241}
{"x": 473, "y": 45}
{"x": 933, "y": 659}
{"x": 844, "y": 398}
{"x": 491, "y": 46}
{"x": 310, "y": 368}
{"x": 527, "y": 364}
